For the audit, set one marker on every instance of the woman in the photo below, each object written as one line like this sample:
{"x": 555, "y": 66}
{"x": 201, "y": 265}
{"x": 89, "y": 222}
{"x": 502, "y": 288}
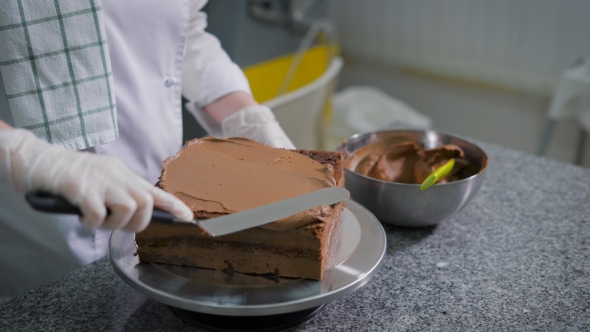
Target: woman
{"x": 158, "y": 51}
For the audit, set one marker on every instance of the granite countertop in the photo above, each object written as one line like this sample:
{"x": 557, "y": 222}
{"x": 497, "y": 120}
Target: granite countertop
{"x": 516, "y": 258}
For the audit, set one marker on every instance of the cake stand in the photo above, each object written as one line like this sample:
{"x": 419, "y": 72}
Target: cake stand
{"x": 221, "y": 301}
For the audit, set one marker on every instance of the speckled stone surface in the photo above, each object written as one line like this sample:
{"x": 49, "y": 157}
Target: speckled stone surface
{"x": 516, "y": 258}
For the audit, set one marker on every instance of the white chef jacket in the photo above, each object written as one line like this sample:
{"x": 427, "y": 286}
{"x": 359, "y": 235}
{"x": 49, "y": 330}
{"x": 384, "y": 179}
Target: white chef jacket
{"x": 159, "y": 50}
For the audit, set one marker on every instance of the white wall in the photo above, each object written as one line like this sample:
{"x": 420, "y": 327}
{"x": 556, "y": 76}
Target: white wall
{"x": 522, "y": 44}
{"x": 514, "y": 120}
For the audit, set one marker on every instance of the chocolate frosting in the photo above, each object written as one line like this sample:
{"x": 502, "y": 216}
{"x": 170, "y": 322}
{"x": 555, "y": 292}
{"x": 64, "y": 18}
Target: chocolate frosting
{"x": 409, "y": 162}
{"x": 229, "y": 175}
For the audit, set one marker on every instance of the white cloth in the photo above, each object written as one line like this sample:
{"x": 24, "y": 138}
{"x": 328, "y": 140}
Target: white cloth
{"x": 54, "y": 56}
{"x": 147, "y": 41}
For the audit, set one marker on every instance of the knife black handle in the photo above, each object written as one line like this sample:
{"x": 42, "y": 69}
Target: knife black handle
{"x": 162, "y": 216}
{"x": 46, "y": 202}
{"x": 51, "y": 203}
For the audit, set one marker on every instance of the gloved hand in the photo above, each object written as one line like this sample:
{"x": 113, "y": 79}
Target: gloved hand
{"x": 91, "y": 182}
{"x": 259, "y": 124}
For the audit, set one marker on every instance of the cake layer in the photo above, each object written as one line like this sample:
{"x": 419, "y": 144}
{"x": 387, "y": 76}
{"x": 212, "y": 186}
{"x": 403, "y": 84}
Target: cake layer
{"x": 291, "y": 253}
{"x": 235, "y": 174}
{"x": 258, "y": 262}
{"x": 304, "y": 236}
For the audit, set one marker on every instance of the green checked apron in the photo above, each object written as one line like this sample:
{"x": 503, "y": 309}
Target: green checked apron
{"x": 57, "y": 70}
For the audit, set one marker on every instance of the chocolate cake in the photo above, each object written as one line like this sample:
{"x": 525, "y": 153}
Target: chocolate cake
{"x": 221, "y": 176}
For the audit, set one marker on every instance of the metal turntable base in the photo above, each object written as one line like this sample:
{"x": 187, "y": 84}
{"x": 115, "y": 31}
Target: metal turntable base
{"x": 212, "y": 299}
{"x": 268, "y": 323}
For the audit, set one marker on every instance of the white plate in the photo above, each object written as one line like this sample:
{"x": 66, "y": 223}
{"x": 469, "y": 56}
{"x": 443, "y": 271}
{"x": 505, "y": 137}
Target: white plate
{"x": 361, "y": 250}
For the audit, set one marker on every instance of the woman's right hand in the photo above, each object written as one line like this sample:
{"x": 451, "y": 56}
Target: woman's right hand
{"x": 91, "y": 182}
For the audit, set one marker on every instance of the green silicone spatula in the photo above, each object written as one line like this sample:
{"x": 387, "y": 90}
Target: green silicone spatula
{"x": 438, "y": 174}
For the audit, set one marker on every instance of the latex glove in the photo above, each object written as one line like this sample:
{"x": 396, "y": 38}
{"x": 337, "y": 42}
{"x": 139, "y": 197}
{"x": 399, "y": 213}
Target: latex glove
{"x": 91, "y": 182}
{"x": 259, "y": 124}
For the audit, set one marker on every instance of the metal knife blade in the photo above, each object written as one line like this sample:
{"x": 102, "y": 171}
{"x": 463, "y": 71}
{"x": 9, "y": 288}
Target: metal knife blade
{"x": 219, "y": 226}
{"x": 268, "y": 213}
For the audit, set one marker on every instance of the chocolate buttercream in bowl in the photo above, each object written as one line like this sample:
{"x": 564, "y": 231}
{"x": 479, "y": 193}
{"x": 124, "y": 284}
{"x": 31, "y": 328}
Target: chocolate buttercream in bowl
{"x": 409, "y": 162}
{"x": 384, "y": 170}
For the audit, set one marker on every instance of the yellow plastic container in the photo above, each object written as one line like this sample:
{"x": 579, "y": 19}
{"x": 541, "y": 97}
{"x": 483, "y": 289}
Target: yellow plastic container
{"x": 266, "y": 77}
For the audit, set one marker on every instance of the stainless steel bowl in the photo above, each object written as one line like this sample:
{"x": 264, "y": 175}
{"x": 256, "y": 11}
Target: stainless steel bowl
{"x": 406, "y": 205}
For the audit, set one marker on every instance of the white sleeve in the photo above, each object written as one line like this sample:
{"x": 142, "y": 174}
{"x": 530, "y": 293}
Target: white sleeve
{"x": 208, "y": 73}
